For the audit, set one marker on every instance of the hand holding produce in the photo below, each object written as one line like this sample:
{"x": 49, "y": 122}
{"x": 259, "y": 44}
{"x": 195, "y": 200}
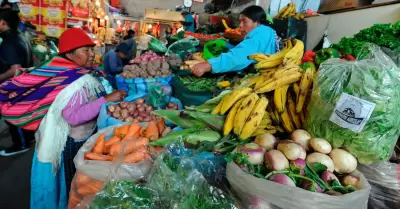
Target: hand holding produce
{"x": 116, "y": 96}
{"x": 137, "y": 111}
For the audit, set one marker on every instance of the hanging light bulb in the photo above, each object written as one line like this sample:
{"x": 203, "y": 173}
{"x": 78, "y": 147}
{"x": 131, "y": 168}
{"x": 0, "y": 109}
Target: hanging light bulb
{"x": 118, "y": 22}
{"x": 97, "y": 3}
{"x": 106, "y": 17}
{"x": 91, "y": 20}
{"x": 150, "y": 26}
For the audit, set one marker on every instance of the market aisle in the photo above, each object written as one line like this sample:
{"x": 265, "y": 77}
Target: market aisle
{"x": 14, "y": 175}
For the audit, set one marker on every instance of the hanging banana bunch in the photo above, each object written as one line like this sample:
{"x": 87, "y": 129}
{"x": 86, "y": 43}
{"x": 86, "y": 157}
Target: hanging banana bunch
{"x": 289, "y": 11}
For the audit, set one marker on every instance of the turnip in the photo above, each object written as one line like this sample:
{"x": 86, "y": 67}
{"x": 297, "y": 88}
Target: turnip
{"x": 329, "y": 178}
{"x": 282, "y": 179}
{"x": 317, "y": 157}
{"x": 343, "y": 161}
{"x": 258, "y": 203}
{"x": 351, "y": 180}
{"x": 291, "y": 149}
{"x": 255, "y": 154}
{"x": 321, "y": 145}
{"x": 276, "y": 160}
{"x": 298, "y": 165}
{"x": 266, "y": 141}
{"x": 302, "y": 137}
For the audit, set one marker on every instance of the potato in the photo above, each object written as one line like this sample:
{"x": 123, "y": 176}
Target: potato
{"x": 149, "y": 108}
{"x": 147, "y": 119}
{"x": 136, "y": 114}
{"x": 111, "y": 108}
{"x": 123, "y": 104}
{"x": 140, "y": 101}
{"x": 141, "y": 108}
{"x": 143, "y": 114}
{"x": 131, "y": 108}
{"x": 117, "y": 109}
{"x": 129, "y": 119}
{"x": 140, "y": 119}
{"x": 124, "y": 113}
{"x": 116, "y": 115}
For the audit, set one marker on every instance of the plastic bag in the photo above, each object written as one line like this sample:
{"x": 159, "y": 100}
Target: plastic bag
{"x": 183, "y": 47}
{"x": 355, "y": 105}
{"x": 260, "y": 193}
{"x": 214, "y": 48}
{"x": 141, "y": 85}
{"x": 171, "y": 184}
{"x": 91, "y": 174}
{"x": 385, "y": 185}
{"x": 157, "y": 46}
{"x": 104, "y": 120}
{"x": 158, "y": 97}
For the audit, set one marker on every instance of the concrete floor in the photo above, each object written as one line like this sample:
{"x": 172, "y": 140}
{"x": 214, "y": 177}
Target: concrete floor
{"x": 15, "y": 175}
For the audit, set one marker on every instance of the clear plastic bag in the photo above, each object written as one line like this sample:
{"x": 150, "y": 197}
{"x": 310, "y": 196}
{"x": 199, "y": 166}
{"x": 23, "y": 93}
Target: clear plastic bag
{"x": 183, "y": 47}
{"x": 171, "y": 184}
{"x": 355, "y": 105}
{"x": 259, "y": 193}
{"x": 385, "y": 185}
{"x": 91, "y": 174}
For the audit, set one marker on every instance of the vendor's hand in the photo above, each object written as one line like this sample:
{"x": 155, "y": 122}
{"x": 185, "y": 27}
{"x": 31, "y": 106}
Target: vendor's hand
{"x": 200, "y": 68}
{"x": 116, "y": 96}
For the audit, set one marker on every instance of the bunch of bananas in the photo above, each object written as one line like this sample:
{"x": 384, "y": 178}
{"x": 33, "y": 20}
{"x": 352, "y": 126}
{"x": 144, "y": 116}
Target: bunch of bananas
{"x": 289, "y": 11}
{"x": 271, "y": 101}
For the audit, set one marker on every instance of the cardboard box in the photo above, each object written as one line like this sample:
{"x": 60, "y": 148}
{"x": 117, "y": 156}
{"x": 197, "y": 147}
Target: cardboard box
{"x": 332, "y": 5}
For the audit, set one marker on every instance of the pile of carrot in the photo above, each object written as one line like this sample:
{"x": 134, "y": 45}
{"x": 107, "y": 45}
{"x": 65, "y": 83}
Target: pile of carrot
{"x": 130, "y": 141}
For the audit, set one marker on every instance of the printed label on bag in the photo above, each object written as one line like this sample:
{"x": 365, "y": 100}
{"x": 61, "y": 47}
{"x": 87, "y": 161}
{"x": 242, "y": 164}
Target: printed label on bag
{"x": 351, "y": 112}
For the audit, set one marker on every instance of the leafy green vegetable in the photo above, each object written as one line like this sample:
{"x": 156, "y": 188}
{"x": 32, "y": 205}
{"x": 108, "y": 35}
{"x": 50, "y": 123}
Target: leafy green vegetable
{"x": 384, "y": 35}
{"x": 375, "y": 79}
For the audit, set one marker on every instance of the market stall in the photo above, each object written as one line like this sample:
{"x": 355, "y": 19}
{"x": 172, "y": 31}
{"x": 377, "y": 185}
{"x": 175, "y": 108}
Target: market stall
{"x": 297, "y": 129}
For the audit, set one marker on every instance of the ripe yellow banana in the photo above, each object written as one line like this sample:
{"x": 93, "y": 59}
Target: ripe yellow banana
{"x": 296, "y": 89}
{"x": 254, "y": 119}
{"x": 266, "y": 120}
{"x": 288, "y": 44}
{"x": 253, "y": 81}
{"x": 246, "y": 106}
{"x": 280, "y": 97}
{"x": 230, "y": 118}
{"x": 292, "y": 112}
{"x": 295, "y": 54}
{"x": 217, "y": 109}
{"x": 272, "y": 84}
{"x": 287, "y": 11}
{"x": 233, "y": 97}
{"x": 286, "y": 122}
{"x": 305, "y": 85}
{"x": 283, "y": 10}
{"x": 260, "y": 131}
{"x": 272, "y": 60}
{"x": 259, "y": 57}
{"x": 287, "y": 70}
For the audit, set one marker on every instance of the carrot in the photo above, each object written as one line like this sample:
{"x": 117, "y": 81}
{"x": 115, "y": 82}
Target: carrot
{"x": 161, "y": 125}
{"x": 124, "y": 130}
{"x": 99, "y": 146}
{"x": 81, "y": 179}
{"x": 152, "y": 131}
{"x": 112, "y": 140}
{"x": 117, "y": 131}
{"x": 136, "y": 156}
{"x": 74, "y": 199}
{"x": 129, "y": 146}
{"x": 96, "y": 156}
{"x": 133, "y": 130}
{"x": 92, "y": 187}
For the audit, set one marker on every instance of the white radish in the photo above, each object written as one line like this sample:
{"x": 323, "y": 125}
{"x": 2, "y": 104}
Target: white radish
{"x": 276, "y": 160}
{"x": 302, "y": 137}
{"x": 291, "y": 150}
{"x": 344, "y": 161}
{"x": 317, "y": 157}
{"x": 266, "y": 141}
{"x": 321, "y": 145}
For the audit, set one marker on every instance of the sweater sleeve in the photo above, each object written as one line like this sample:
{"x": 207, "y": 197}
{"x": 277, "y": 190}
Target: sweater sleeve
{"x": 78, "y": 112}
{"x": 237, "y": 58}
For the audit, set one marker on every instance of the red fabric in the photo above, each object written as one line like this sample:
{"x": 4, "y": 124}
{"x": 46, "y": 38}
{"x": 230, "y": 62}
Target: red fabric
{"x": 72, "y": 39}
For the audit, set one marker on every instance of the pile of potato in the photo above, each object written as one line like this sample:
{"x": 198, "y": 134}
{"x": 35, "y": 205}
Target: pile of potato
{"x": 148, "y": 65}
{"x": 137, "y": 111}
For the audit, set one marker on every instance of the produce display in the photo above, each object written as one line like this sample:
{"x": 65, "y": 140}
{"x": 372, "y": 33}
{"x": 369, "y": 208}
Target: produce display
{"x": 272, "y": 101}
{"x": 303, "y": 161}
{"x": 202, "y": 36}
{"x": 137, "y": 111}
{"x": 289, "y": 11}
{"x": 194, "y": 83}
{"x": 129, "y": 140}
{"x": 148, "y": 65}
